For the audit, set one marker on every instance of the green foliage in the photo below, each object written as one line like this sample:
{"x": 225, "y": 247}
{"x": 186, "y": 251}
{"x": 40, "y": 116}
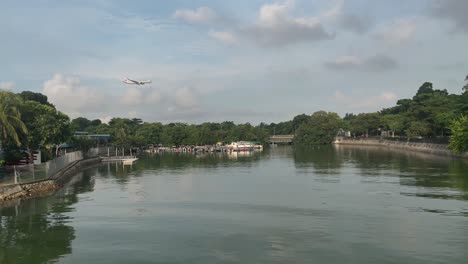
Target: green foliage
{"x": 45, "y": 124}
{"x": 418, "y": 129}
{"x": 12, "y": 128}
{"x": 83, "y": 143}
{"x": 29, "y": 119}
{"x": 428, "y": 114}
{"x": 12, "y": 153}
{"x": 459, "y": 137}
{"x": 394, "y": 123}
{"x": 298, "y": 121}
{"x": 361, "y": 124}
{"x": 37, "y": 97}
{"x": 465, "y": 88}
{"x": 321, "y": 128}
{"x": 80, "y": 124}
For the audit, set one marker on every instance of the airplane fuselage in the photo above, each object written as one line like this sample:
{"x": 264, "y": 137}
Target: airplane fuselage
{"x": 129, "y": 81}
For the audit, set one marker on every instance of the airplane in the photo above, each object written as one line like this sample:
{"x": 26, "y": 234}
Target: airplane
{"x": 129, "y": 81}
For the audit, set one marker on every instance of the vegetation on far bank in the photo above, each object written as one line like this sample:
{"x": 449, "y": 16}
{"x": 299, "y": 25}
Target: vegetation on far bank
{"x": 29, "y": 122}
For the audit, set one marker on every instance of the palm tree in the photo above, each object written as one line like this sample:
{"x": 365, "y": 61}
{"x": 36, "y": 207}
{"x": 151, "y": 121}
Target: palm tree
{"x": 465, "y": 88}
{"x": 11, "y": 126}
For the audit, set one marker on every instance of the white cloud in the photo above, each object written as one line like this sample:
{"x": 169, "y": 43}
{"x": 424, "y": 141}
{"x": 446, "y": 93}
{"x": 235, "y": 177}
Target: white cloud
{"x": 186, "y": 98}
{"x": 397, "y": 32}
{"x": 335, "y": 11}
{"x": 345, "y": 61}
{"x": 366, "y": 103}
{"x": 67, "y": 93}
{"x": 276, "y": 27}
{"x": 224, "y": 36}
{"x": 200, "y": 15}
{"x": 134, "y": 96}
{"x": 106, "y": 119}
{"x": 149, "y": 25}
{"x": 8, "y": 85}
{"x": 376, "y": 63}
{"x": 153, "y": 97}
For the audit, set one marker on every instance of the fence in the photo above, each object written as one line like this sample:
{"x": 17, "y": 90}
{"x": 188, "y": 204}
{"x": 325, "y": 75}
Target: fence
{"x": 29, "y": 173}
{"x": 109, "y": 151}
{"x": 53, "y": 166}
{"x": 436, "y": 140}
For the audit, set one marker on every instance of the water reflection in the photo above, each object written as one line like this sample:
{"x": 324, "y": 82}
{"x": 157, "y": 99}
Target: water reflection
{"x": 439, "y": 177}
{"x": 323, "y": 159}
{"x": 152, "y": 163}
{"x": 39, "y": 230}
{"x": 284, "y": 205}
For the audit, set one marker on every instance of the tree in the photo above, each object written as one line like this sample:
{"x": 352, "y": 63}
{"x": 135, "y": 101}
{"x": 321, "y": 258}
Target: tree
{"x": 298, "y": 121}
{"x": 83, "y": 143}
{"x": 424, "y": 92}
{"x": 394, "y": 122}
{"x": 45, "y": 124}
{"x": 443, "y": 121}
{"x": 366, "y": 123}
{"x": 96, "y": 122}
{"x": 80, "y": 123}
{"x": 38, "y": 97}
{"x": 418, "y": 129}
{"x": 11, "y": 125}
{"x": 320, "y": 129}
{"x": 465, "y": 88}
{"x": 459, "y": 138}
{"x": 150, "y": 132}
{"x": 120, "y": 136}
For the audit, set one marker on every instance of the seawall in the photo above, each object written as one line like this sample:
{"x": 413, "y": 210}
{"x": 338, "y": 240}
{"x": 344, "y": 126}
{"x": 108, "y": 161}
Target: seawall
{"x": 429, "y": 148}
{"x": 51, "y": 184}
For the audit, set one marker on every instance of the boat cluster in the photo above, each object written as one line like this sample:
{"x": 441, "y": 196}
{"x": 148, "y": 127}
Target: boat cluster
{"x": 239, "y": 146}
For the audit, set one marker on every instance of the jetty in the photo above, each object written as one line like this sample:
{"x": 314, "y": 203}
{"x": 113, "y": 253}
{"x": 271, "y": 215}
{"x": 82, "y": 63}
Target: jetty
{"x": 126, "y": 160}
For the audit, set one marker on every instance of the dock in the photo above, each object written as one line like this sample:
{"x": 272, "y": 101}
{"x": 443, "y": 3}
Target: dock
{"x": 126, "y": 160}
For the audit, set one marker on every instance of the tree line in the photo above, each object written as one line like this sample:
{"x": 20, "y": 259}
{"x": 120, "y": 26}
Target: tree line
{"x": 430, "y": 113}
{"x": 29, "y": 122}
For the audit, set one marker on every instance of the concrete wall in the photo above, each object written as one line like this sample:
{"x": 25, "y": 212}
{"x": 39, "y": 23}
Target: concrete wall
{"x": 429, "y": 148}
{"x": 51, "y": 184}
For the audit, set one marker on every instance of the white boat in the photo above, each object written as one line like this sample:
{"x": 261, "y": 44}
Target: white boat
{"x": 241, "y": 146}
{"x": 258, "y": 147}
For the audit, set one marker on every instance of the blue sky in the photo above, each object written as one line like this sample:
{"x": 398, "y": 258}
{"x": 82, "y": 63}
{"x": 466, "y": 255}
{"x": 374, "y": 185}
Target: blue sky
{"x": 246, "y": 61}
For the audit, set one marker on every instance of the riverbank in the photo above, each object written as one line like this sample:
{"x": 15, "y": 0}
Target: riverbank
{"x": 428, "y": 148}
{"x": 51, "y": 184}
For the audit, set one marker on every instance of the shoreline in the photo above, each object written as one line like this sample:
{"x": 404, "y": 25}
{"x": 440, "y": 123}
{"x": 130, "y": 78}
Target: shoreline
{"x": 48, "y": 185}
{"x": 427, "y": 148}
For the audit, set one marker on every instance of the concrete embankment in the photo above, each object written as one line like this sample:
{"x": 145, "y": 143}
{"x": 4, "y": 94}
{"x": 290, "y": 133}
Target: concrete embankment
{"x": 56, "y": 181}
{"x": 429, "y": 148}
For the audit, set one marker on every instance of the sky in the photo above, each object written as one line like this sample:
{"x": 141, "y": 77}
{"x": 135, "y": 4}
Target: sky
{"x": 243, "y": 61}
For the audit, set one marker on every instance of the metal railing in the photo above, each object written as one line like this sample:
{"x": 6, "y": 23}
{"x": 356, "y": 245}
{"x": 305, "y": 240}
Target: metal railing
{"x": 435, "y": 140}
{"x": 30, "y": 173}
{"x": 55, "y": 165}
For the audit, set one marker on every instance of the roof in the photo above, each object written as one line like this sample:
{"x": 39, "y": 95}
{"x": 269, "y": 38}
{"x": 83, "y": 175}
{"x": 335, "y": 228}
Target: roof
{"x": 105, "y": 136}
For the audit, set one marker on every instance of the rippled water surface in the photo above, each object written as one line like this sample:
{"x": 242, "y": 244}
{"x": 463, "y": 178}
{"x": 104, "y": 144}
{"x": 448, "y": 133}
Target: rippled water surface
{"x": 323, "y": 205}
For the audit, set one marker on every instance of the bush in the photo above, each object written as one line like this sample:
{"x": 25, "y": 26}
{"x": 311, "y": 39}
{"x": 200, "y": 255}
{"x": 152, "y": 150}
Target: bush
{"x": 459, "y": 139}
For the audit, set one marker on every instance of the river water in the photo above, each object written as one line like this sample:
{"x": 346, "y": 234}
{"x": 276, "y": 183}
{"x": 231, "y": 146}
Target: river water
{"x": 342, "y": 204}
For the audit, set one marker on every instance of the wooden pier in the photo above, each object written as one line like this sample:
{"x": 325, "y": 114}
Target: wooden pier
{"x": 126, "y": 160}
{"x": 281, "y": 139}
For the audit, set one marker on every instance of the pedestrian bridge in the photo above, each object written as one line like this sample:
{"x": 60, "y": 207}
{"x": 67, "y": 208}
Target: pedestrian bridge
{"x": 281, "y": 139}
